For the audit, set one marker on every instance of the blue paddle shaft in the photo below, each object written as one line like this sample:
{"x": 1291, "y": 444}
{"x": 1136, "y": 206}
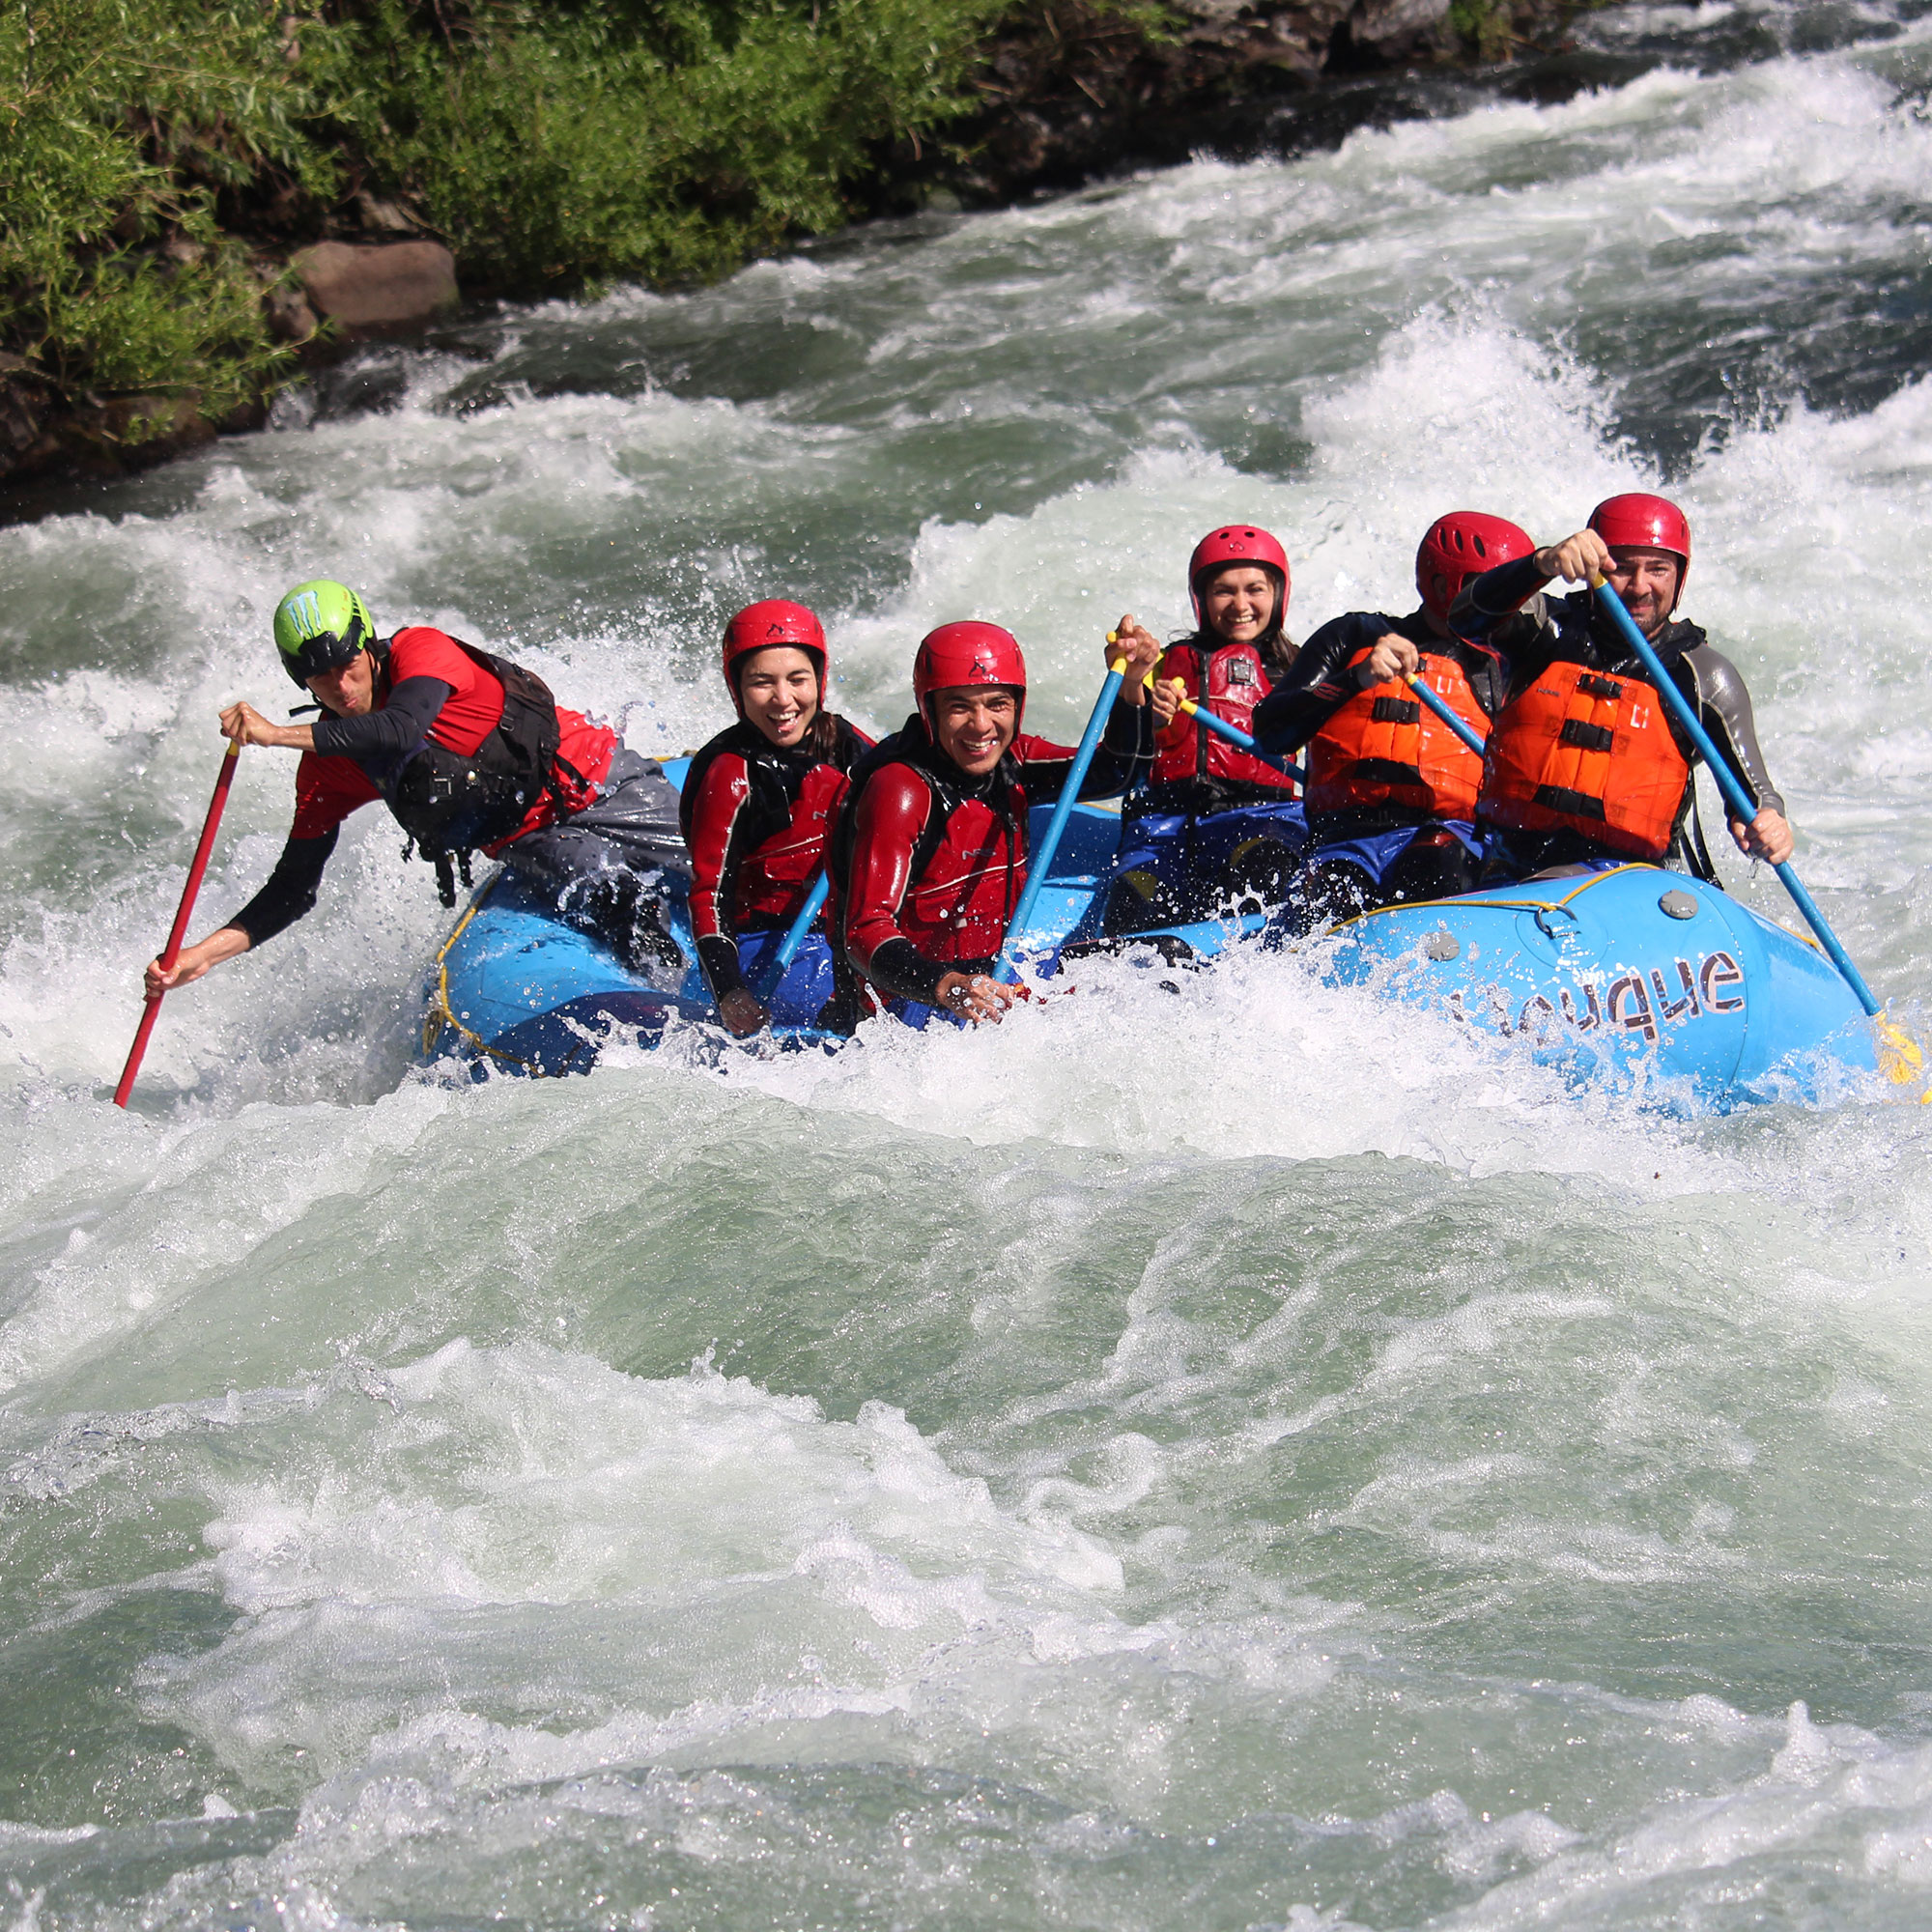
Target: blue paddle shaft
{"x": 1735, "y": 795}
{"x": 794, "y": 936}
{"x": 1234, "y": 735}
{"x": 1076, "y": 776}
{"x": 1440, "y": 705}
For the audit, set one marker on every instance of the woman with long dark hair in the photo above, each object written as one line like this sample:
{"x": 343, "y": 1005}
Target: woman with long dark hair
{"x": 755, "y": 807}
{"x": 1215, "y": 828}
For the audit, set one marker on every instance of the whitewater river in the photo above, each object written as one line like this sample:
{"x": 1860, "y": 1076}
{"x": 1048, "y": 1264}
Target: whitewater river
{"x": 1243, "y": 1459}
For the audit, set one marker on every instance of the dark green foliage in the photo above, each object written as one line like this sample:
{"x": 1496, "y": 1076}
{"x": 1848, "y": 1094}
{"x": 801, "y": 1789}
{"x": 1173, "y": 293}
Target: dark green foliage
{"x": 568, "y": 143}
{"x": 551, "y": 142}
{"x": 1484, "y": 25}
{"x": 119, "y": 120}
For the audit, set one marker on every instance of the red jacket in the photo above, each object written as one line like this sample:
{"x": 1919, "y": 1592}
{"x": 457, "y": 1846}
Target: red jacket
{"x": 930, "y": 862}
{"x": 328, "y": 789}
{"x": 1229, "y": 680}
{"x": 756, "y": 817}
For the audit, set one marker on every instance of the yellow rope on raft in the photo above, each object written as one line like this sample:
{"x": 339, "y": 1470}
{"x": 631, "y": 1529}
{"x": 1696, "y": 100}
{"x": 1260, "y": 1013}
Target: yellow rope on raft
{"x": 441, "y": 1013}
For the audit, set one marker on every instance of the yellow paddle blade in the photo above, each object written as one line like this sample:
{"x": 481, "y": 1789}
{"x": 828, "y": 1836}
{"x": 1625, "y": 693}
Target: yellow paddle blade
{"x": 1900, "y": 1057}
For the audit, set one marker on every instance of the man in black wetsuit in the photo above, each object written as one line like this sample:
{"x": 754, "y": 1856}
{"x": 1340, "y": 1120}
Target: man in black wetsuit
{"x": 468, "y": 751}
{"x": 1587, "y": 765}
{"x": 1391, "y": 789}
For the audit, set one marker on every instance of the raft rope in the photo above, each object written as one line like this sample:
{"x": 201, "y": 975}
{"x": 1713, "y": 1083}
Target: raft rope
{"x": 441, "y": 1014}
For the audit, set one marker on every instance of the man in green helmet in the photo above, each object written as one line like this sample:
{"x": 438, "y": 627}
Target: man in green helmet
{"x": 471, "y": 752}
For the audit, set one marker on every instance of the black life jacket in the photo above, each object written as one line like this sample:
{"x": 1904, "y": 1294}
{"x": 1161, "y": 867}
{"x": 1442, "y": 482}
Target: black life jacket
{"x": 451, "y": 804}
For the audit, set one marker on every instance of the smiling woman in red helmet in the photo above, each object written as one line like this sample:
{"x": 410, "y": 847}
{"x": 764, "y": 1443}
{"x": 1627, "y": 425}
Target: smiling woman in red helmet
{"x": 929, "y": 857}
{"x": 1586, "y": 764}
{"x": 1391, "y": 789}
{"x": 1215, "y": 823}
{"x": 757, "y": 803}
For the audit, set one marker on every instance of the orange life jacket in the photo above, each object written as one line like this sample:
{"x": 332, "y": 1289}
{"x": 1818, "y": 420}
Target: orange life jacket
{"x": 1233, "y": 680}
{"x": 1385, "y": 746}
{"x": 1590, "y": 752}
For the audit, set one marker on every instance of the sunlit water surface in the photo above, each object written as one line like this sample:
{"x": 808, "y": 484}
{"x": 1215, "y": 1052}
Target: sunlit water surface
{"x": 1226, "y": 1458}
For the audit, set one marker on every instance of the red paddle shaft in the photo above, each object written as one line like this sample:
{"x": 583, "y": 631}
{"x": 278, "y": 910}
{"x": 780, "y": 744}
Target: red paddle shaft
{"x": 195, "y": 874}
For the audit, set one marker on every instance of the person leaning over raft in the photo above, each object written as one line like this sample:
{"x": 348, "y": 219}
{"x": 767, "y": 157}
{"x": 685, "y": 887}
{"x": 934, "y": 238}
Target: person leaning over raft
{"x": 1391, "y": 789}
{"x": 1585, "y": 765}
{"x": 468, "y": 751}
{"x": 756, "y": 804}
{"x": 929, "y": 856}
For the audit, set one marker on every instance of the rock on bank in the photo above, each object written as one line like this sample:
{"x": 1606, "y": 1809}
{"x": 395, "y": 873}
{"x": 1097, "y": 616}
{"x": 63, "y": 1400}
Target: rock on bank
{"x": 1074, "y": 89}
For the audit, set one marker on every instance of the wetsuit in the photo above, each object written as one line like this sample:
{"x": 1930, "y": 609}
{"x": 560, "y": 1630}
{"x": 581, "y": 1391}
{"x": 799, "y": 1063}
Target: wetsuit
{"x": 1215, "y": 823}
{"x": 599, "y": 834}
{"x": 756, "y": 816}
{"x": 1391, "y": 790}
{"x": 929, "y": 862}
{"x": 1587, "y": 764}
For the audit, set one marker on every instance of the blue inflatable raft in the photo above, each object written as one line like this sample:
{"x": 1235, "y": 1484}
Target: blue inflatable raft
{"x": 516, "y": 990}
{"x": 1631, "y": 976}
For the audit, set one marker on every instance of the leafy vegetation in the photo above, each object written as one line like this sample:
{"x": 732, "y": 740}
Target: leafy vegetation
{"x": 162, "y": 160}
{"x": 1484, "y": 25}
{"x": 120, "y": 122}
{"x": 161, "y": 154}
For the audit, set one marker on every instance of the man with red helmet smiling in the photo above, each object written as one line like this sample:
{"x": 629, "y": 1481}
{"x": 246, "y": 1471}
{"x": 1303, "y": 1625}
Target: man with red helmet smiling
{"x": 929, "y": 856}
{"x": 1586, "y": 766}
{"x": 1391, "y": 788}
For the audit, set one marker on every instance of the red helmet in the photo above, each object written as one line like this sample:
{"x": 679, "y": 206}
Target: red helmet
{"x": 968, "y": 652}
{"x": 1459, "y": 546}
{"x": 1237, "y": 543}
{"x": 1644, "y": 522}
{"x": 757, "y": 626}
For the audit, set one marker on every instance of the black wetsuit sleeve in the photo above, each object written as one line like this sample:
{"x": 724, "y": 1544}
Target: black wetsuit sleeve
{"x": 290, "y": 893}
{"x": 1126, "y": 755}
{"x": 903, "y": 972}
{"x": 1318, "y": 683}
{"x": 1487, "y": 602}
{"x": 408, "y": 712}
{"x": 1724, "y": 708}
{"x": 718, "y": 955}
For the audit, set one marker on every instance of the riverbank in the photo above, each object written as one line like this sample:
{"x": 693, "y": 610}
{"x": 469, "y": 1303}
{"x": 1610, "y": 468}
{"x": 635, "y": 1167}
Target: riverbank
{"x": 220, "y": 197}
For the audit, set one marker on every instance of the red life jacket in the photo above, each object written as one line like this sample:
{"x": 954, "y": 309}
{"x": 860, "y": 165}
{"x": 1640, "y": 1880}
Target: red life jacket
{"x": 740, "y": 787}
{"x": 1385, "y": 746}
{"x": 773, "y": 877}
{"x": 964, "y": 874}
{"x": 500, "y": 760}
{"x": 968, "y": 871}
{"x": 1588, "y": 752}
{"x": 1230, "y": 681}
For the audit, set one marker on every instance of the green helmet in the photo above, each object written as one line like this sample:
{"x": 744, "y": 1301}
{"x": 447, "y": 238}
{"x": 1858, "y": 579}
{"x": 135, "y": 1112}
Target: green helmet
{"x": 320, "y": 627}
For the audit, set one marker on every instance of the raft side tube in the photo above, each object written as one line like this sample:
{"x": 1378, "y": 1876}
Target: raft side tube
{"x": 1639, "y": 971}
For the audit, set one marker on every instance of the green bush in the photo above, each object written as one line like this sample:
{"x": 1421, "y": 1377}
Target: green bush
{"x": 120, "y": 122}
{"x": 578, "y": 143}
{"x": 1484, "y": 25}
{"x": 158, "y": 151}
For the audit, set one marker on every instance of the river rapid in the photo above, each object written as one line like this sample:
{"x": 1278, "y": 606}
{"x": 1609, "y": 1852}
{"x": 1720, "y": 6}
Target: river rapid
{"x": 1232, "y": 1458}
